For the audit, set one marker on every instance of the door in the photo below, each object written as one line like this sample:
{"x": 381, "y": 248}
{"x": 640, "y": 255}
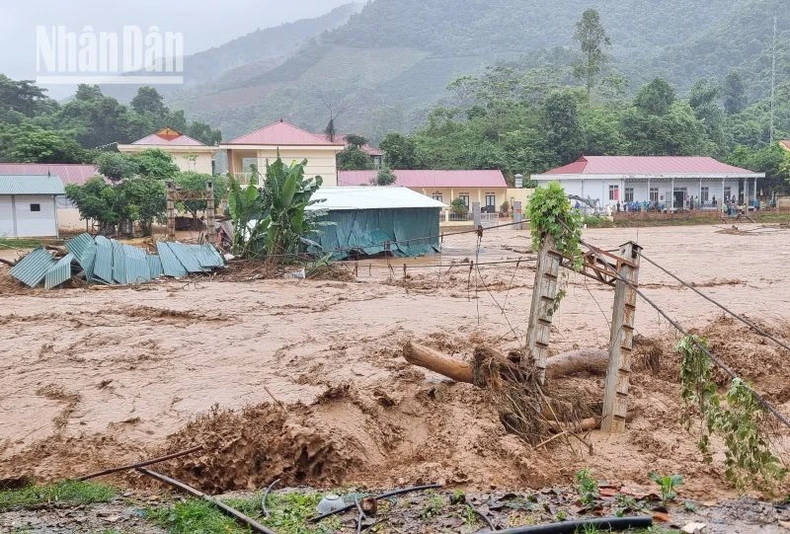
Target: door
{"x": 679, "y": 197}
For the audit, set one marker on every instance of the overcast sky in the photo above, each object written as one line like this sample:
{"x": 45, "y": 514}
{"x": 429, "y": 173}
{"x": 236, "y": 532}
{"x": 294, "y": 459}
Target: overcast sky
{"x": 204, "y": 23}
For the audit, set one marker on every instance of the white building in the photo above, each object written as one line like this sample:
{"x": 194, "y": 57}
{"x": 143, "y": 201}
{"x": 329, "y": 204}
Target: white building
{"x": 664, "y": 182}
{"x": 28, "y": 206}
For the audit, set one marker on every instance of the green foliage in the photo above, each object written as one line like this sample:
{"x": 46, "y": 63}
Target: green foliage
{"x": 458, "y": 206}
{"x": 356, "y": 140}
{"x": 148, "y": 100}
{"x": 739, "y": 419}
{"x": 116, "y": 166}
{"x": 400, "y": 152}
{"x": 734, "y": 93}
{"x": 353, "y": 158}
{"x": 272, "y": 222}
{"x": 69, "y": 492}
{"x": 593, "y": 41}
{"x": 195, "y": 181}
{"x": 433, "y": 507}
{"x": 656, "y": 97}
{"x": 155, "y": 163}
{"x": 29, "y": 143}
{"x": 667, "y": 485}
{"x": 386, "y": 177}
{"x": 143, "y": 199}
{"x": 587, "y": 487}
{"x": 550, "y": 214}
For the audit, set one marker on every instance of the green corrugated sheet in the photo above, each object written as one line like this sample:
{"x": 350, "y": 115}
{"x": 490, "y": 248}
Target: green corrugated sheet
{"x": 154, "y": 266}
{"x": 32, "y": 269}
{"x": 136, "y": 269}
{"x": 186, "y": 255}
{"x": 102, "y": 271}
{"x": 31, "y": 185}
{"x": 118, "y": 263}
{"x": 59, "y": 273}
{"x": 171, "y": 266}
{"x": 410, "y": 231}
{"x": 84, "y": 249}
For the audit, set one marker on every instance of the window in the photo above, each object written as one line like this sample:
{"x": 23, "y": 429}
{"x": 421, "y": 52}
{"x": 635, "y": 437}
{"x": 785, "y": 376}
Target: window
{"x": 705, "y": 194}
{"x": 35, "y": 207}
{"x": 654, "y": 194}
{"x": 614, "y": 192}
{"x": 437, "y": 196}
{"x": 465, "y": 198}
{"x": 727, "y": 193}
{"x": 629, "y": 194}
{"x": 491, "y": 202}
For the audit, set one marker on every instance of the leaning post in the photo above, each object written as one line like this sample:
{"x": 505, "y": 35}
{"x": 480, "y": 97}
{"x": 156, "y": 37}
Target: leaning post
{"x": 543, "y": 306}
{"x": 621, "y": 339}
{"x": 171, "y": 211}
{"x": 211, "y": 233}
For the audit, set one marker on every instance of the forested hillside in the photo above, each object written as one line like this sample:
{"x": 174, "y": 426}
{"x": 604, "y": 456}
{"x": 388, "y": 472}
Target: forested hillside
{"x": 388, "y": 64}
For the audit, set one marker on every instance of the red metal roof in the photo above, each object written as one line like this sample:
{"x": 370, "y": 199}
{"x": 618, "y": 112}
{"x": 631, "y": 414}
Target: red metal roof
{"x": 155, "y": 139}
{"x": 282, "y": 133}
{"x": 68, "y": 173}
{"x": 785, "y": 143}
{"x": 693, "y": 165}
{"x": 428, "y": 179}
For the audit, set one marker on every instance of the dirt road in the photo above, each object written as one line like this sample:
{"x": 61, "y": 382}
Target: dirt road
{"x": 91, "y": 377}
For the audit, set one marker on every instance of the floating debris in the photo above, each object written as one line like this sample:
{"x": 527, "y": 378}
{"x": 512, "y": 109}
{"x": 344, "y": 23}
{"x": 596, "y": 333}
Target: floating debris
{"x": 106, "y": 261}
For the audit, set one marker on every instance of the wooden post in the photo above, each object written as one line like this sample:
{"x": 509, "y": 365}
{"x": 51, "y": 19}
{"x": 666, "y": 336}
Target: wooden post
{"x": 476, "y": 214}
{"x": 517, "y": 215}
{"x": 171, "y": 211}
{"x": 542, "y": 307}
{"x": 615, "y": 401}
{"x": 211, "y": 233}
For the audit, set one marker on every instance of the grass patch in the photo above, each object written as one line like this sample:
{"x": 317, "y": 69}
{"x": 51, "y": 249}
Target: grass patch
{"x": 68, "y": 492}
{"x": 20, "y": 243}
{"x": 289, "y": 514}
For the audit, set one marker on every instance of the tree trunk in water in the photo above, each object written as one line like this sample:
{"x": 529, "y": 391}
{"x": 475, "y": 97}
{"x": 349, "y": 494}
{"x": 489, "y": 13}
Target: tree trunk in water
{"x": 439, "y": 363}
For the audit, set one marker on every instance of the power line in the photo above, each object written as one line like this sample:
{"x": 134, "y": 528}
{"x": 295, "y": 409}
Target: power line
{"x": 726, "y": 310}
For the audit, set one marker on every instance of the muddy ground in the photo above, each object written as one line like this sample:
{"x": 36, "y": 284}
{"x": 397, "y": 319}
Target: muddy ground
{"x": 90, "y": 377}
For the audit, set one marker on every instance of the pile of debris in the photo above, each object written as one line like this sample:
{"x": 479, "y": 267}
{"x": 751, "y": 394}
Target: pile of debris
{"x": 106, "y": 261}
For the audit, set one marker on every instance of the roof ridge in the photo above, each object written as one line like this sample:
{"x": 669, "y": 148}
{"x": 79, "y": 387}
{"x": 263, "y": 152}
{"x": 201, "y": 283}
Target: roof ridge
{"x": 275, "y": 123}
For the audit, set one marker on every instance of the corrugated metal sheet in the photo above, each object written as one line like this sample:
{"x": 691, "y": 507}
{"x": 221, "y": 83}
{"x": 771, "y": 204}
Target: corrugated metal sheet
{"x": 154, "y": 266}
{"x": 31, "y": 185}
{"x": 69, "y": 173}
{"x": 32, "y": 269}
{"x": 209, "y": 257}
{"x": 171, "y": 266}
{"x": 136, "y": 269}
{"x": 118, "y": 263}
{"x": 84, "y": 249}
{"x": 103, "y": 268}
{"x": 187, "y": 256}
{"x": 59, "y": 273}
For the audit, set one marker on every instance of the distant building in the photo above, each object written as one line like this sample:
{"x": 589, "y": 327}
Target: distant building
{"x": 28, "y": 207}
{"x": 69, "y": 173}
{"x": 488, "y": 187}
{"x": 666, "y": 182}
{"x": 368, "y": 221}
{"x": 189, "y": 154}
{"x": 254, "y": 149}
{"x": 376, "y": 155}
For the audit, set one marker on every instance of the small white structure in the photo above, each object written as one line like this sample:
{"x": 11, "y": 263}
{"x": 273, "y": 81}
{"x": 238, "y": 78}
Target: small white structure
{"x": 662, "y": 182}
{"x": 28, "y": 206}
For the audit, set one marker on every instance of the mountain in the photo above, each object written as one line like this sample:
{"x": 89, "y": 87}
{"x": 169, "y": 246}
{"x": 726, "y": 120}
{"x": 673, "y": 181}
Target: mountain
{"x": 248, "y": 56}
{"x": 381, "y": 69}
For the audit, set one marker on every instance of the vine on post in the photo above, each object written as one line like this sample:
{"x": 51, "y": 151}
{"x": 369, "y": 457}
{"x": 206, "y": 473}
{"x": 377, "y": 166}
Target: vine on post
{"x": 551, "y": 214}
{"x": 738, "y": 419}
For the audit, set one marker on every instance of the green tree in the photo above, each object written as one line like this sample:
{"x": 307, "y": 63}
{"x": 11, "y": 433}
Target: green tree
{"x": 194, "y": 181}
{"x": 770, "y": 159}
{"x": 356, "y": 140}
{"x": 562, "y": 130}
{"x": 143, "y": 200}
{"x": 203, "y": 133}
{"x": 704, "y": 101}
{"x": 24, "y": 97}
{"x": 148, "y": 100}
{"x": 593, "y": 41}
{"x": 98, "y": 201}
{"x": 353, "y": 158}
{"x": 400, "y": 151}
{"x": 656, "y": 97}
{"x": 155, "y": 163}
{"x": 734, "y": 93}
{"x": 385, "y": 177}
{"x": 28, "y": 143}
{"x": 116, "y": 166}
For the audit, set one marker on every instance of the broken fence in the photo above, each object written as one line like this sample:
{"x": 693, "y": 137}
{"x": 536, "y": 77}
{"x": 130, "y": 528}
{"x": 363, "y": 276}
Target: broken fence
{"x": 110, "y": 262}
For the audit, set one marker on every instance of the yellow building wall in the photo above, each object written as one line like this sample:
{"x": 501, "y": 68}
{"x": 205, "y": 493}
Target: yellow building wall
{"x": 476, "y": 194}
{"x": 320, "y": 162}
{"x": 200, "y": 162}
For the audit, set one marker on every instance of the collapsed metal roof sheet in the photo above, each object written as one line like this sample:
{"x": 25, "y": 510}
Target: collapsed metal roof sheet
{"x": 103, "y": 267}
{"x": 154, "y": 266}
{"x": 186, "y": 255}
{"x": 137, "y": 270}
{"x": 59, "y": 273}
{"x": 32, "y": 269}
{"x": 171, "y": 266}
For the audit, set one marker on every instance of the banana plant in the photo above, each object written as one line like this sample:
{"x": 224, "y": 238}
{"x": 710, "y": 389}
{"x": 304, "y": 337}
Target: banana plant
{"x": 272, "y": 221}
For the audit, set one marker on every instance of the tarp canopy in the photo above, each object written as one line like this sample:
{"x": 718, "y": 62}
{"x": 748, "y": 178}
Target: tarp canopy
{"x": 410, "y": 232}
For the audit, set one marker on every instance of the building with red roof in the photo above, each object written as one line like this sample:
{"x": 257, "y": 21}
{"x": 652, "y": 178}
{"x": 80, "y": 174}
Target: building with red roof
{"x": 251, "y": 151}
{"x": 666, "y": 182}
{"x": 785, "y": 143}
{"x": 188, "y": 153}
{"x": 485, "y": 186}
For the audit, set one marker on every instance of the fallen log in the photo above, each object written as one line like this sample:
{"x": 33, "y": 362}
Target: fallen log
{"x": 592, "y": 361}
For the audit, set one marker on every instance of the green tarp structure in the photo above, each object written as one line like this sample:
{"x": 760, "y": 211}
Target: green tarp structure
{"x": 410, "y": 231}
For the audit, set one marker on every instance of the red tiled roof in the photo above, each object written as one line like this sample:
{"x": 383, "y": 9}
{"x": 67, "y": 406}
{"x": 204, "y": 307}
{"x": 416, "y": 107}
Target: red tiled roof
{"x": 428, "y": 179}
{"x": 67, "y": 172}
{"x": 282, "y": 133}
{"x": 785, "y": 143}
{"x": 157, "y": 140}
{"x": 693, "y": 165}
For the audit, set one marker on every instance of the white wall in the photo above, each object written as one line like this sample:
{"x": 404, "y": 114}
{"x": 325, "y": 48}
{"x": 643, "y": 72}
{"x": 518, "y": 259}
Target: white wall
{"x": 6, "y": 217}
{"x": 41, "y": 223}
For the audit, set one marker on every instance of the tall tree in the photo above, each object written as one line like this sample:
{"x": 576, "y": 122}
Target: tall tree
{"x": 28, "y": 143}
{"x": 656, "y": 97}
{"x": 734, "y": 93}
{"x": 400, "y": 151}
{"x": 148, "y": 100}
{"x": 593, "y": 41}
{"x": 560, "y": 121}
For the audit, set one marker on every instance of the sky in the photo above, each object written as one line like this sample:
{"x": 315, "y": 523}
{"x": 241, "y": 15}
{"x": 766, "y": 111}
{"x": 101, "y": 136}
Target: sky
{"x": 204, "y": 23}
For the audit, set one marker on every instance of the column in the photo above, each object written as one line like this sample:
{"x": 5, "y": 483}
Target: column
{"x": 211, "y": 233}
{"x": 615, "y": 400}
{"x": 542, "y": 308}
{"x": 672, "y": 194}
